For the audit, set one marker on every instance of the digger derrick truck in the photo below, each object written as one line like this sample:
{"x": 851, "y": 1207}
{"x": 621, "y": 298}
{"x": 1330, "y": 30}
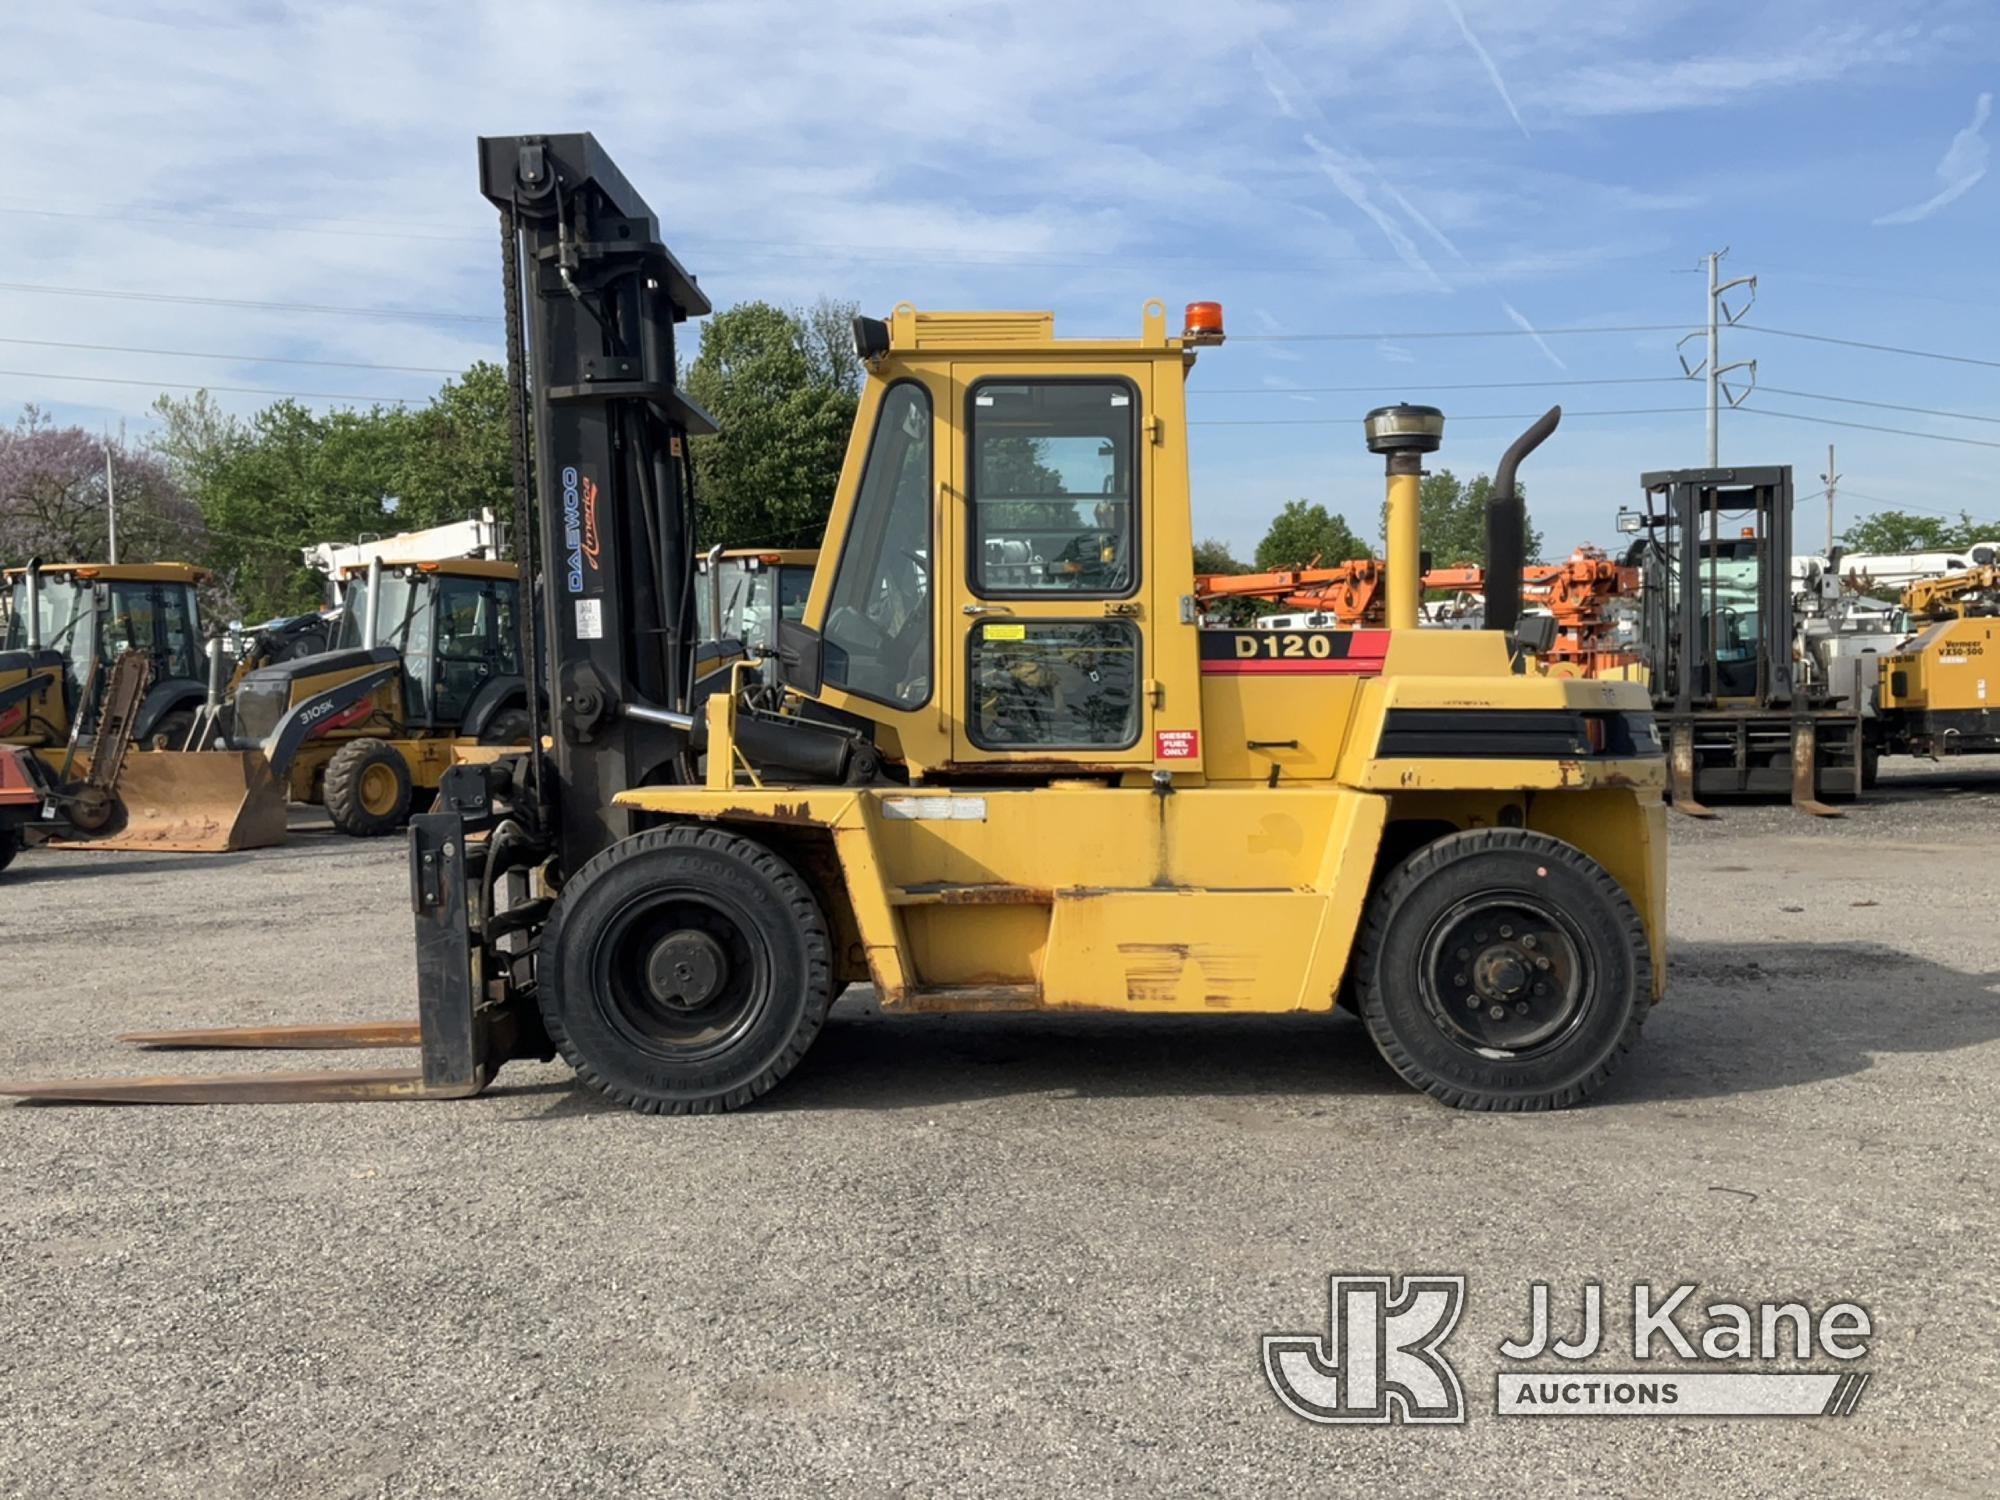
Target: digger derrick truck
{"x": 1001, "y": 765}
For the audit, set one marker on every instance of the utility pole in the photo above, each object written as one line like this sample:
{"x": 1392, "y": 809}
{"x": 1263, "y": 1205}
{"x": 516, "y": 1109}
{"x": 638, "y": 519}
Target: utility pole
{"x": 1717, "y": 315}
{"x": 1832, "y": 479}
{"x": 110, "y": 502}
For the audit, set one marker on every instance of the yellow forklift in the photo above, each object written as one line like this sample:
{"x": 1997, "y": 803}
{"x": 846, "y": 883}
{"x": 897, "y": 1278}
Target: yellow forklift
{"x": 424, "y": 670}
{"x": 1000, "y": 764}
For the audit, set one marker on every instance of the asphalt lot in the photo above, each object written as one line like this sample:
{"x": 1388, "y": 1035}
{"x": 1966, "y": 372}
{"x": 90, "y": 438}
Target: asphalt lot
{"x": 986, "y": 1254}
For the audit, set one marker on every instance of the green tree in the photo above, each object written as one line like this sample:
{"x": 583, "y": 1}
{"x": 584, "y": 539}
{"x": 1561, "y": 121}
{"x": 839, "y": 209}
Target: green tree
{"x": 281, "y": 481}
{"x": 1899, "y": 531}
{"x": 783, "y": 395}
{"x": 456, "y": 454}
{"x": 1212, "y": 556}
{"x": 1305, "y": 532}
{"x": 1452, "y": 520}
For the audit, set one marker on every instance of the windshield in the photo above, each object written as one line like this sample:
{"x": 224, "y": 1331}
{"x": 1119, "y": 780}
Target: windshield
{"x": 65, "y": 605}
{"x": 392, "y": 620}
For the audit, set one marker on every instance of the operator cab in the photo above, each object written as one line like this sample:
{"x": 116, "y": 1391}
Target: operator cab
{"x": 1012, "y": 520}
{"x": 452, "y": 623}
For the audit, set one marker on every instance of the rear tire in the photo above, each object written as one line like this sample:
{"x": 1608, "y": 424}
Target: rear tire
{"x": 10, "y": 845}
{"x": 685, "y": 971}
{"x": 1500, "y": 969}
{"x": 367, "y": 791}
{"x": 508, "y": 727}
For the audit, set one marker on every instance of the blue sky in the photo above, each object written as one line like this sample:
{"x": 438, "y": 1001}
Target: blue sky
{"x": 1361, "y": 167}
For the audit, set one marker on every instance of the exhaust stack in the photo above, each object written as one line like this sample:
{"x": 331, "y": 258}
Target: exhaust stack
{"x": 1507, "y": 527}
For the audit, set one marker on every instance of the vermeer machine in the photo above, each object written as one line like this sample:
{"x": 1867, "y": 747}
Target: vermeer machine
{"x": 1001, "y": 766}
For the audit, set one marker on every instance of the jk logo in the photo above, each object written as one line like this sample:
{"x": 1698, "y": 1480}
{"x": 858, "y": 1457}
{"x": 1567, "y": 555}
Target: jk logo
{"x": 1379, "y": 1360}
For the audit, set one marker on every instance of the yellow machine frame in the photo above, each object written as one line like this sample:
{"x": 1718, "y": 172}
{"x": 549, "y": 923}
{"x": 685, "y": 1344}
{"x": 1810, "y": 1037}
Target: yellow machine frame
{"x": 1222, "y": 862}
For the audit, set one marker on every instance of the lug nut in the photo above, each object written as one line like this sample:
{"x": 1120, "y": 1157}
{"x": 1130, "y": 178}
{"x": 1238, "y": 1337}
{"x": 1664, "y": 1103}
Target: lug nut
{"x": 1528, "y": 940}
{"x": 1506, "y": 932}
{"x": 1464, "y": 954}
{"x": 1520, "y": 1007}
{"x": 1498, "y": 1012}
{"x": 1542, "y": 963}
{"x": 1541, "y": 989}
{"x": 1458, "y": 979}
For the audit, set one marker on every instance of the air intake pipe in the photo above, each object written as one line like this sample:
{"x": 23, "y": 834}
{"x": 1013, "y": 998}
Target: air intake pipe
{"x": 1507, "y": 527}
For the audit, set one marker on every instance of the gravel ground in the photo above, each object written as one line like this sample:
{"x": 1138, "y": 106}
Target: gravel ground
{"x": 986, "y": 1254}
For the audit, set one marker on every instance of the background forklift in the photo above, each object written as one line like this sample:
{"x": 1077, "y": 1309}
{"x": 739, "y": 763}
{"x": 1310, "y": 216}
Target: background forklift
{"x": 425, "y": 668}
{"x": 1716, "y": 640}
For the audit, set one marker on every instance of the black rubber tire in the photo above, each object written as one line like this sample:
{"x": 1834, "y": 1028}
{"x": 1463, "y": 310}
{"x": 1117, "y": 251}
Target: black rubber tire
{"x": 508, "y": 727}
{"x": 775, "y": 920}
{"x": 1871, "y": 767}
{"x": 1417, "y": 896}
{"x": 172, "y": 731}
{"x": 342, "y": 790}
{"x": 10, "y": 845}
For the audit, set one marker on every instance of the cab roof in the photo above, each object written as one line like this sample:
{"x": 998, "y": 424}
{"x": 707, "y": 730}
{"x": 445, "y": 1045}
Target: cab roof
{"x": 1009, "y": 334}
{"x": 160, "y": 572}
{"x": 773, "y": 557}
{"x": 450, "y": 567}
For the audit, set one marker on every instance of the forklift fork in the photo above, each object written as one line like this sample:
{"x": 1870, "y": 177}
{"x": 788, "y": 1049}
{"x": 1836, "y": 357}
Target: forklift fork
{"x": 1680, "y": 773}
{"x": 1805, "y": 771}
{"x": 461, "y": 1043}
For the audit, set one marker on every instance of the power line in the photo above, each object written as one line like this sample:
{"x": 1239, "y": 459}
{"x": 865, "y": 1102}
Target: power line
{"x": 1922, "y": 411}
{"x": 304, "y": 307}
{"x": 1824, "y": 338}
{"x": 1933, "y": 437}
{"x": 1481, "y": 385}
{"x": 1484, "y": 416}
{"x": 237, "y": 390}
{"x": 245, "y": 359}
{"x": 1460, "y": 333}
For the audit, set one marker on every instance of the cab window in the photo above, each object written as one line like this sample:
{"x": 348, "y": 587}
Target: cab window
{"x": 1054, "y": 488}
{"x": 877, "y": 637}
{"x": 1054, "y": 684}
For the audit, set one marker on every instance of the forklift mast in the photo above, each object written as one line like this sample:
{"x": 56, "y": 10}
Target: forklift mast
{"x": 1702, "y": 520}
{"x": 593, "y": 299}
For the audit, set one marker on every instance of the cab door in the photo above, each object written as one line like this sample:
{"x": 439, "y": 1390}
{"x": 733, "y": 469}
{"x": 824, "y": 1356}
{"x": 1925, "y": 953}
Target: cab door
{"x": 1048, "y": 613}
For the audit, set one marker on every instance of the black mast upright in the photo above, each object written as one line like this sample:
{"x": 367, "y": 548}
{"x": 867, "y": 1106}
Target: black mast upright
{"x": 599, "y": 297}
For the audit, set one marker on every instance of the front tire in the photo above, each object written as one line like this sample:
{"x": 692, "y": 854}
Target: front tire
{"x": 1500, "y": 969}
{"x": 685, "y": 971}
{"x": 508, "y": 727}
{"x": 10, "y": 845}
{"x": 367, "y": 790}
{"x": 172, "y": 731}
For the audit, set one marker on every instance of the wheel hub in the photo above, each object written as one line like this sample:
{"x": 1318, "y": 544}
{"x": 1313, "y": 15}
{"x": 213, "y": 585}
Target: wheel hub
{"x": 1504, "y": 973}
{"x": 686, "y": 969}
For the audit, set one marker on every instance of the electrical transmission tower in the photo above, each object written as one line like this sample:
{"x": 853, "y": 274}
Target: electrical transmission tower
{"x": 1718, "y": 316}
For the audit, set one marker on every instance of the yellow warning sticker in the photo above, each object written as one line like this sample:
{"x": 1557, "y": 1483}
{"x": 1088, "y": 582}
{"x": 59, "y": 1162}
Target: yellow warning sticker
{"x": 1005, "y": 632}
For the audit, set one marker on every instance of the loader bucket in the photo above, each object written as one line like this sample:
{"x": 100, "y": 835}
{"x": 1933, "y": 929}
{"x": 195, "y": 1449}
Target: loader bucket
{"x": 197, "y": 801}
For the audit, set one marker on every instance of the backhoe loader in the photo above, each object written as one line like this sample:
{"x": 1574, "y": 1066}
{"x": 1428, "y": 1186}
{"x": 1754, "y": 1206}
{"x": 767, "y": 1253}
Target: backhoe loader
{"x": 424, "y": 670}
{"x": 1000, "y": 766}
{"x": 69, "y": 625}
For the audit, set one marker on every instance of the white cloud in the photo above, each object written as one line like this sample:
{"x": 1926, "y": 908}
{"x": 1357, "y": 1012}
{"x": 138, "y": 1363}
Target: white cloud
{"x": 1963, "y": 164}
{"x": 1486, "y": 61}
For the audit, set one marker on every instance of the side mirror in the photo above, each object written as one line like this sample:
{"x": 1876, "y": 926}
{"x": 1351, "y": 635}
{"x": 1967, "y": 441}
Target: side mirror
{"x": 800, "y": 657}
